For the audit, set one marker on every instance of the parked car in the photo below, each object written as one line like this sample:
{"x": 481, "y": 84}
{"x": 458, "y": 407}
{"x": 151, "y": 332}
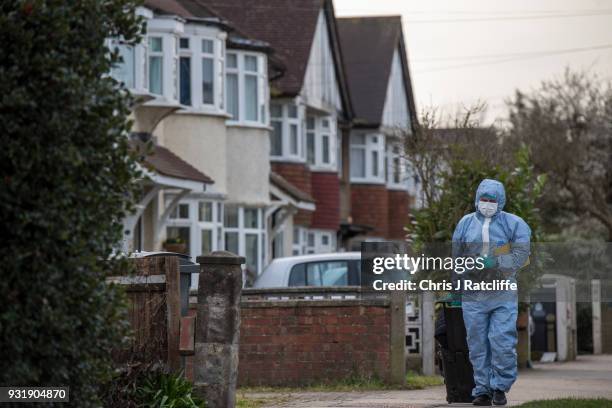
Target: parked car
{"x": 334, "y": 269}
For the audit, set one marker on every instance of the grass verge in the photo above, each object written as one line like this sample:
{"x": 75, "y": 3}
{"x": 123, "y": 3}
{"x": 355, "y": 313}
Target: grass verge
{"x": 243, "y": 401}
{"x": 569, "y": 403}
{"x": 414, "y": 381}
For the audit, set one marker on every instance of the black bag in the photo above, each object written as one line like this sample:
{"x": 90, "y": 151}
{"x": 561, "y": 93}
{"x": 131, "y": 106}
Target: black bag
{"x": 454, "y": 355}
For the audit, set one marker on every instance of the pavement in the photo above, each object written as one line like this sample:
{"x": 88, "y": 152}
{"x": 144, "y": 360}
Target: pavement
{"x": 587, "y": 377}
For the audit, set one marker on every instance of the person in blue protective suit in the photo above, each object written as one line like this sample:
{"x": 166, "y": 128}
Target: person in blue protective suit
{"x": 503, "y": 241}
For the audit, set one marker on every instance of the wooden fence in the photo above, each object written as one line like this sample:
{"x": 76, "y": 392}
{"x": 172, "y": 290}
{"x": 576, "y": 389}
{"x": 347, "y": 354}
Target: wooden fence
{"x": 154, "y": 311}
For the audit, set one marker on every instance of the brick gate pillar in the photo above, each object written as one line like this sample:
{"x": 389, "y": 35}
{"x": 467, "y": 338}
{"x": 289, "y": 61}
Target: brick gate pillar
{"x": 218, "y": 328}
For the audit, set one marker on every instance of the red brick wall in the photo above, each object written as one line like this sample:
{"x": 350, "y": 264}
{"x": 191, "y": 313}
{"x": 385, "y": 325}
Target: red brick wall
{"x": 326, "y": 192}
{"x": 370, "y": 206}
{"x": 300, "y": 342}
{"x": 399, "y": 206}
{"x": 299, "y": 175}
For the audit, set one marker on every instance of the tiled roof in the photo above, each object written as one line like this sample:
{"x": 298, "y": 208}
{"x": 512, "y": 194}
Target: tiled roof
{"x": 198, "y": 11}
{"x": 289, "y": 188}
{"x": 368, "y": 45}
{"x": 287, "y": 25}
{"x": 166, "y": 163}
{"x": 182, "y": 8}
{"x": 166, "y": 6}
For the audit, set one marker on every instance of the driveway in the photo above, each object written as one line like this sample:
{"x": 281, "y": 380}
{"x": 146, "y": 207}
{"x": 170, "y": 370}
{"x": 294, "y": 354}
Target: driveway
{"x": 588, "y": 377}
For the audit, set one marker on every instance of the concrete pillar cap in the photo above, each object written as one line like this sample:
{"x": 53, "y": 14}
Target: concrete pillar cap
{"x": 221, "y": 258}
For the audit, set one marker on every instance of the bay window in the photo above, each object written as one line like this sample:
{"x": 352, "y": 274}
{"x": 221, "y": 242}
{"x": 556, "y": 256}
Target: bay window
{"x": 246, "y": 87}
{"x": 245, "y": 235}
{"x": 321, "y": 143}
{"x": 367, "y": 158}
{"x": 202, "y": 61}
{"x": 287, "y": 134}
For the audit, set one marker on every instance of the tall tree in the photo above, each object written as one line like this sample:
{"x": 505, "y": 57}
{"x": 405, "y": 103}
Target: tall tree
{"x": 67, "y": 181}
{"x": 567, "y": 125}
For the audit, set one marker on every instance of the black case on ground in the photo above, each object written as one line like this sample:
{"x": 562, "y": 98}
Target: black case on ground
{"x": 454, "y": 355}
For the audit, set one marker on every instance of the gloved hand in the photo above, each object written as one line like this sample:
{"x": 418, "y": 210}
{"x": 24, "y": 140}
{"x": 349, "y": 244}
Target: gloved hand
{"x": 452, "y": 298}
{"x": 489, "y": 262}
{"x": 455, "y": 299}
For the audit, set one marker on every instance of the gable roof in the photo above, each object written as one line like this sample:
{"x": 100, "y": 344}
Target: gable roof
{"x": 289, "y": 27}
{"x": 368, "y": 45}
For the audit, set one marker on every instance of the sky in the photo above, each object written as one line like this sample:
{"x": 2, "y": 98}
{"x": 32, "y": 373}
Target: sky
{"x": 464, "y": 51}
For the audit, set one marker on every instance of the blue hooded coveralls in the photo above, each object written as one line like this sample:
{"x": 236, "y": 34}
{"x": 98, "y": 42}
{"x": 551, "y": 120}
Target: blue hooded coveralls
{"x": 490, "y": 317}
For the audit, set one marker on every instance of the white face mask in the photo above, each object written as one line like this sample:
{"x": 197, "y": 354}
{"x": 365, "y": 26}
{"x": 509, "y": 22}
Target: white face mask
{"x": 487, "y": 209}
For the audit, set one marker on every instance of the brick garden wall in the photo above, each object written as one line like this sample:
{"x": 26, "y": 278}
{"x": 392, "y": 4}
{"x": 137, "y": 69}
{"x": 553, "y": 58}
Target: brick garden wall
{"x": 297, "y": 342}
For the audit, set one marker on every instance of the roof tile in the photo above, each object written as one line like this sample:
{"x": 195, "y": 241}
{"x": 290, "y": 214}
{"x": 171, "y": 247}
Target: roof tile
{"x": 169, "y": 164}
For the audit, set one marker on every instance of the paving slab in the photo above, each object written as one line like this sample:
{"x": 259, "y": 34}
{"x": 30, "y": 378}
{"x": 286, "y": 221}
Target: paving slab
{"x": 587, "y": 377}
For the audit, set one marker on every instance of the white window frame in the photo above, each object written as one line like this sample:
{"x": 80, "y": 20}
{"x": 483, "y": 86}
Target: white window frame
{"x": 243, "y": 231}
{"x": 374, "y": 142}
{"x": 320, "y": 133}
{"x": 286, "y": 123}
{"x": 140, "y": 83}
{"x": 169, "y": 30}
{"x": 121, "y": 46}
{"x": 140, "y": 75}
{"x": 186, "y": 53}
{"x": 262, "y": 87}
{"x": 396, "y": 166}
{"x": 298, "y": 243}
{"x": 197, "y": 35}
{"x": 311, "y": 241}
{"x": 211, "y": 57}
{"x": 196, "y": 226}
{"x": 158, "y": 55}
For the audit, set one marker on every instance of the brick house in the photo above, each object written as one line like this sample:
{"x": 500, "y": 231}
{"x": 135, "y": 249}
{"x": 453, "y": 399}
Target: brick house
{"x": 310, "y": 113}
{"x": 203, "y": 95}
{"x": 257, "y": 148}
{"x": 379, "y": 82}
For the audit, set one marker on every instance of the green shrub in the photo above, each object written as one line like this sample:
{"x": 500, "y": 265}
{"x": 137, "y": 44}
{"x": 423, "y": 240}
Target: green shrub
{"x": 165, "y": 390}
{"x": 67, "y": 182}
